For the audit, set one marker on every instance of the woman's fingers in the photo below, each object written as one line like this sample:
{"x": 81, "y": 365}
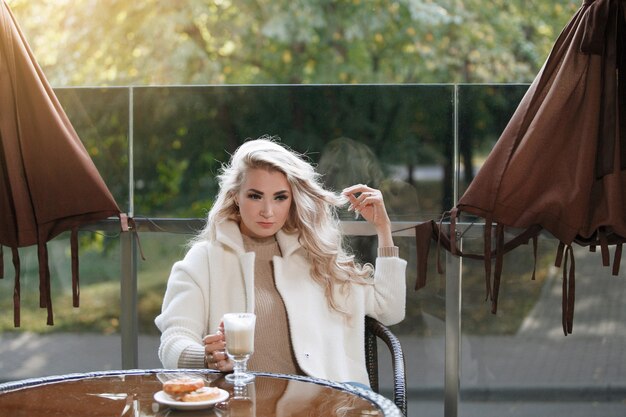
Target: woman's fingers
{"x": 215, "y": 352}
{"x": 370, "y": 197}
{"x": 214, "y": 342}
{"x": 224, "y": 366}
{"x": 358, "y": 188}
{"x": 356, "y": 195}
{"x": 219, "y": 355}
{"x": 361, "y": 197}
{"x": 219, "y": 365}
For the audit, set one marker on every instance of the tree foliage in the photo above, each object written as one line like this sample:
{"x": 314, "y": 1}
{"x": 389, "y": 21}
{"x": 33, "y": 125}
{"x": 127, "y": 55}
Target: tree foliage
{"x": 163, "y": 42}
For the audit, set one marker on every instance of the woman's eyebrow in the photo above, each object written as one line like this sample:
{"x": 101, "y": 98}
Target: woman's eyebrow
{"x": 281, "y": 192}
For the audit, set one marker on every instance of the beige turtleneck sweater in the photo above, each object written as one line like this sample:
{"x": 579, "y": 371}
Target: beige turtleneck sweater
{"x": 272, "y": 343}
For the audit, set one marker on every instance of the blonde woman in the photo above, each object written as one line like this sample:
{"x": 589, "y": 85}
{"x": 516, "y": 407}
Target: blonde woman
{"x": 272, "y": 245}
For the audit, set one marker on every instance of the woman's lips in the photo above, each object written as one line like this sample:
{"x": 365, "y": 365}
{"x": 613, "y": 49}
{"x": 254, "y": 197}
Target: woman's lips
{"x": 265, "y": 225}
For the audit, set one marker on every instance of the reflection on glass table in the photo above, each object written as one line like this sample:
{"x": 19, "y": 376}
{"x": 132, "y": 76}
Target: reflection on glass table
{"x": 124, "y": 393}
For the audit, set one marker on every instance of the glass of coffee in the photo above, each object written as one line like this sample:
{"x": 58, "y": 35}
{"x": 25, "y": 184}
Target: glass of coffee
{"x": 239, "y": 334}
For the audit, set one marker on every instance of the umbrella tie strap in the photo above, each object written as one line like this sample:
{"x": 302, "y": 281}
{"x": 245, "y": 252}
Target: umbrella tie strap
{"x": 453, "y": 245}
{"x": 439, "y": 243}
{"x": 1, "y": 262}
{"x": 16, "y": 288}
{"x": 535, "y": 241}
{"x": 487, "y": 254}
{"x": 569, "y": 291}
{"x": 133, "y": 229}
{"x": 617, "y": 259}
{"x": 128, "y": 224}
{"x": 45, "y": 293}
{"x": 604, "y": 247}
{"x": 497, "y": 275}
{"x": 565, "y": 252}
{"x": 75, "y": 282}
{"x": 423, "y": 236}
{"x": 558, "y": 261}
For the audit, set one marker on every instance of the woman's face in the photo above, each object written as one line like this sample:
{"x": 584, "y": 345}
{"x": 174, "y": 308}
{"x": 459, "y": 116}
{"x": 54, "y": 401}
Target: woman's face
{"x": 264, "y": 202}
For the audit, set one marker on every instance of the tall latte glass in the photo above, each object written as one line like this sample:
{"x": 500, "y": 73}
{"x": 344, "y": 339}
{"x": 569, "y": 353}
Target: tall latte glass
{"x": 239, "y": 333}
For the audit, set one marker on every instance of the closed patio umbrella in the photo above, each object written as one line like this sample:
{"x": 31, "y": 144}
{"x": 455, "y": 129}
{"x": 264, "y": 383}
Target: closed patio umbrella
{"x": 48, "y": 182}
{"x": 559, "y": 163}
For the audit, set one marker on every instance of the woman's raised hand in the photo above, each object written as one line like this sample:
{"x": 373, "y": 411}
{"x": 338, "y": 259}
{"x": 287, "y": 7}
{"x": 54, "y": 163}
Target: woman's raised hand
{"x": 368, "y": 202}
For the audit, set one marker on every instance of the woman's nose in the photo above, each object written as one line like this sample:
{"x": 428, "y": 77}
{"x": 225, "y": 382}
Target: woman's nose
{"x": 266, "y": 211}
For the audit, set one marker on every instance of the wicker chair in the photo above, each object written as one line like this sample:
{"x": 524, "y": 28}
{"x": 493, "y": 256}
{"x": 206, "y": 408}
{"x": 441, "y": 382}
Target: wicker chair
{"x": 373, "y": 330}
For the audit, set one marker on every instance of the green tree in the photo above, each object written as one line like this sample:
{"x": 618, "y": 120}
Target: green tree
{"x": 157, "y": 42}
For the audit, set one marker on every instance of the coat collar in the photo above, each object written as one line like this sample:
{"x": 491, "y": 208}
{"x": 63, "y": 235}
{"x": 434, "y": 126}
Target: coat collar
{"x": 228, "y": 233}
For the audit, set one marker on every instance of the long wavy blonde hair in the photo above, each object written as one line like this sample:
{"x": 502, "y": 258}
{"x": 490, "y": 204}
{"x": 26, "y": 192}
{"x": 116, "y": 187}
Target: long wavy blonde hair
{"x": 313, "y": 213}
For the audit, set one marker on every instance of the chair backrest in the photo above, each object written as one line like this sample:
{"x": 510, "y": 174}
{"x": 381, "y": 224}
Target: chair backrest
{"x": 376, "y": 330}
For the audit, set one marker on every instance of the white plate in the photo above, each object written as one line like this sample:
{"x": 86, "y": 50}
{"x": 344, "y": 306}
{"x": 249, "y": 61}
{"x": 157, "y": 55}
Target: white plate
{"x": 163, "y": 398}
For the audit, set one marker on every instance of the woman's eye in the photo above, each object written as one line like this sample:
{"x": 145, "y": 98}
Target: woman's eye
{"x": 282, "y": 197}
{"x": 254, "y": 196}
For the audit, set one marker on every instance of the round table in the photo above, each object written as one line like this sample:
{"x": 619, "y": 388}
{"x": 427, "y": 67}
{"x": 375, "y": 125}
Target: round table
{"x": 130, "y": 393}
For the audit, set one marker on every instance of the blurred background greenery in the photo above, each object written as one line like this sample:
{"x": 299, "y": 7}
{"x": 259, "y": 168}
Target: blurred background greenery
{"x": 157, "y": 42}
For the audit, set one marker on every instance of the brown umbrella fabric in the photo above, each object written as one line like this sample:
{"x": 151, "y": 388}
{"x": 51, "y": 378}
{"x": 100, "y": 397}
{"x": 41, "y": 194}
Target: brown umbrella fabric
{"x": 48, "y": 183}
{"x": 559, "y": 163}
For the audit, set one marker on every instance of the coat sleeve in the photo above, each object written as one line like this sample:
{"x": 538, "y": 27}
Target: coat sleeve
{"x": 183, "y": 318}
{"x": 385, "y": 299}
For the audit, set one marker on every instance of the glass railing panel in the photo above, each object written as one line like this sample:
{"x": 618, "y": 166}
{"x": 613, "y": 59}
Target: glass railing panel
{"x": 484, "y": 110}
{"x": 161, "y": 251}
{"x": 100, "y": 117}
{"x": 422, "y": 335}
{"x": 395, "y": 137}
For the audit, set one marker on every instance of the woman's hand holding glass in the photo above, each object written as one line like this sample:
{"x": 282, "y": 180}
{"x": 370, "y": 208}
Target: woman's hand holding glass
{"x": 215, "y": 356}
